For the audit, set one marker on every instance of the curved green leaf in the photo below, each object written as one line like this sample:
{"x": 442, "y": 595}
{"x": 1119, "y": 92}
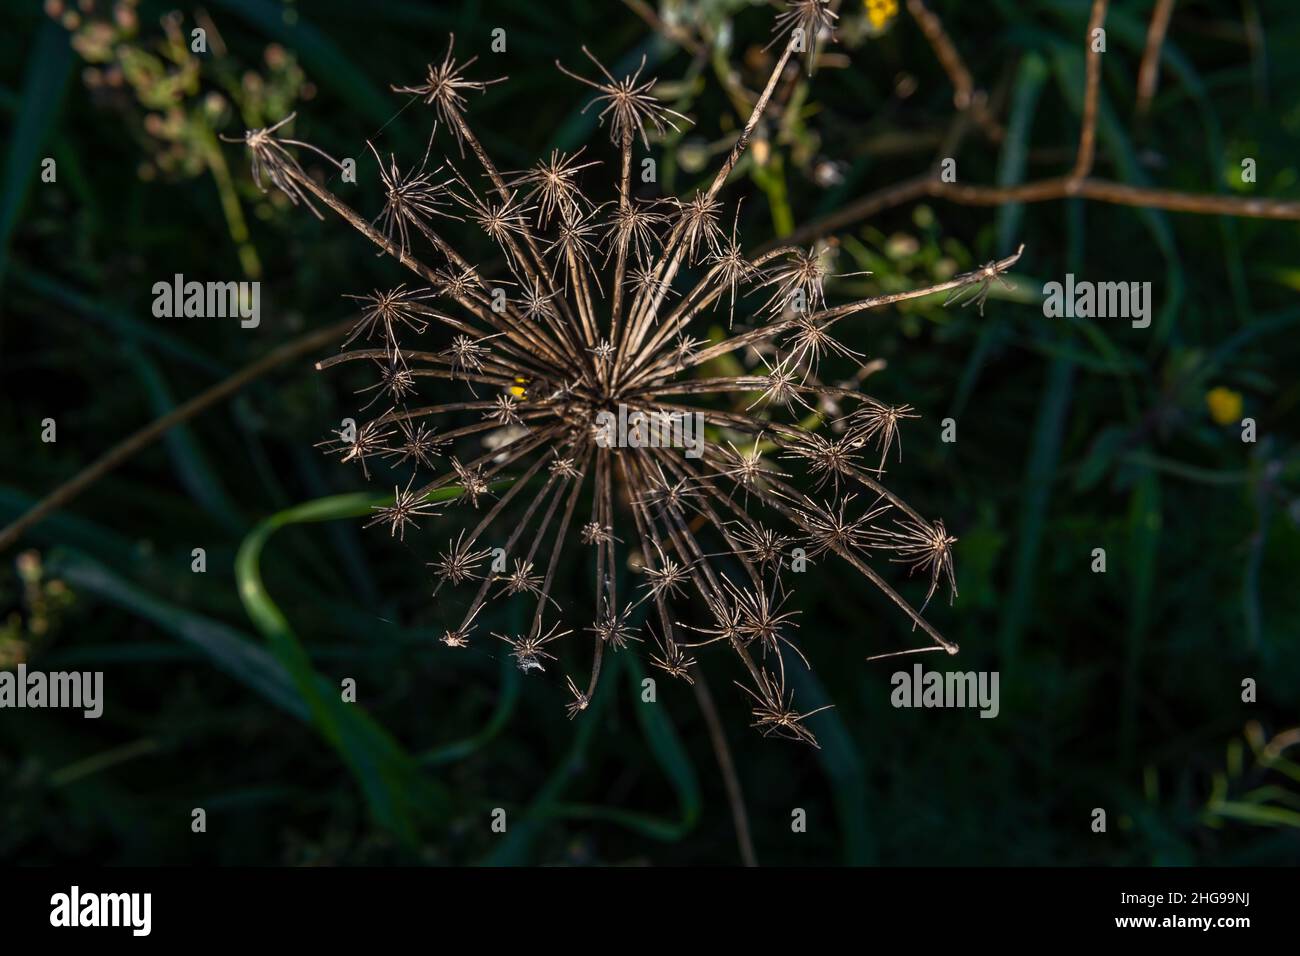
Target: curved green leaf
{"x": 398, "y": 792}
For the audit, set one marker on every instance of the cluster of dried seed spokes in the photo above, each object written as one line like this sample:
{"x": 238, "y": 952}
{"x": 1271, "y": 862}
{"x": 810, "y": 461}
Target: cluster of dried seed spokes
{"x": 595, "y": 313}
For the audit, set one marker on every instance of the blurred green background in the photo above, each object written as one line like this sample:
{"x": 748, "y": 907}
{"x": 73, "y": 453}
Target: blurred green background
{"x": 1119, "y": 690}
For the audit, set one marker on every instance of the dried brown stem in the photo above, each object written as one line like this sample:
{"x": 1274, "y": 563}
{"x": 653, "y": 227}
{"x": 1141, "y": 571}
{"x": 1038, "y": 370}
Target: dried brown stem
{"x": 726, "y": 767}
{"x": 1046, "y": 190}
{"x": 1091, "y": 95}
{"x": 965, "y": 95}
{"x": 1149, "y": 72}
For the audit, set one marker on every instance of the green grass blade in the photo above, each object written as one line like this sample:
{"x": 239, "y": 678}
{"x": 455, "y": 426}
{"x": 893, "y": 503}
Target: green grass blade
{"x": 398, "y": 793}
{"x": 842, "y": 762}
{"x": 192, "y": 467}
{"x": 1011, "y": 169}
{"x": 123, "y": 324}
{"x": 1040, "y": 471}
{"x": 231, "y": 651}
{"x": 48, "y": 70}
{"x": 668, "y": 751}
{"x": 1143, "y": 550}
{"x": 501, "y": 714}
{"x": 520, "y": 834}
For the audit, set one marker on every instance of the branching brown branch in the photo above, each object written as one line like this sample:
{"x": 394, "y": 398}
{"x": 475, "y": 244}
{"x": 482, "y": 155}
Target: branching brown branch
{"x": 1076, "y": 184}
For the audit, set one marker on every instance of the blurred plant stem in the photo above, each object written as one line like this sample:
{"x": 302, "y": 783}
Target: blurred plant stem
{"x": 771, "y": 179}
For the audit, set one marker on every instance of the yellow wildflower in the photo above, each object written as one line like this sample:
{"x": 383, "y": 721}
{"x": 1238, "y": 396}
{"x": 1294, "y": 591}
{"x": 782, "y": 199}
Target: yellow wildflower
{"x": 880, "y": 12}
{"x": 1224, "y": 405}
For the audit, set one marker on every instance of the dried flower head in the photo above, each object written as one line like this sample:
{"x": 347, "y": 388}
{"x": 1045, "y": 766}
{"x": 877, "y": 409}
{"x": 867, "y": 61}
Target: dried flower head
{"x": 444, "y": 87}
{"x": 411, "y": 199}
{"x": 774, "y": 712}
{"x": 804, "y": 25}
{"x": 406, "y": 506}
{"x": 927, "y": 546}
{"x": 273, "y": 163}
{"x": 674, "y": 661}
{"x": 553, "y": 186}
{"x": 459, "y": 563}
{"x": 564, "y": 338}
{"x": 629, "y": 105}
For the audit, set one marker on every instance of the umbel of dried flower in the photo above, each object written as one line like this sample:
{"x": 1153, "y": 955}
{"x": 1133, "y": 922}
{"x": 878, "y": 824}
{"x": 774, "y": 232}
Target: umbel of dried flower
{"x": 597, "y": 312}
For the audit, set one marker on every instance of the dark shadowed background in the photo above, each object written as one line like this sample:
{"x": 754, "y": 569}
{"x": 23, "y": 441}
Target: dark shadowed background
{"x": 1120, "y": 690}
